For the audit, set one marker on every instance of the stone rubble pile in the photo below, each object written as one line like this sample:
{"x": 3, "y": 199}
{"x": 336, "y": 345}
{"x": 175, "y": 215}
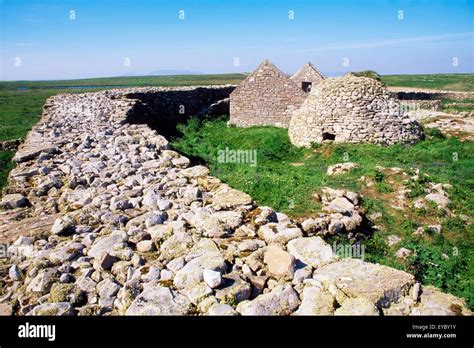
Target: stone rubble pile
{"x": 136, "y": 230}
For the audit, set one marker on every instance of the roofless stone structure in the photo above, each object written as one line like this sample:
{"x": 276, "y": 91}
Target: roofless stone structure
{"x": 266, "y": 97}
{"x": 307, "y": 77}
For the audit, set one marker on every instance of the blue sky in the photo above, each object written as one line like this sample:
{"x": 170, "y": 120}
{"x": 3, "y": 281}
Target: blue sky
{"x": 39, "y": 40}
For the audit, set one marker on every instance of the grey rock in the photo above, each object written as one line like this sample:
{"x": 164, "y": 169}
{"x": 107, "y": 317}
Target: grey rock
{"x": 158, "y": 300}
{"x": 312, "y": 251}
{"x": 107, "y": 288}
{"x": 56, "y": 309}
{"x": 282, "y": 300}
{"x": 13, "y": 200}
{"x": 221, "y": 309}
{"x": 234, "y": 289}
{"x": 14, "y": 273}
{"x": 212, "y": 278}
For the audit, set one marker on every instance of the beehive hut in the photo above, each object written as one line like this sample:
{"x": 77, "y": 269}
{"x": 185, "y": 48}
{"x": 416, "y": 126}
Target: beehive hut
{"x": 307, "y": 77}
{"x": 266, "y": 97}
{"x": 352, "y": 109}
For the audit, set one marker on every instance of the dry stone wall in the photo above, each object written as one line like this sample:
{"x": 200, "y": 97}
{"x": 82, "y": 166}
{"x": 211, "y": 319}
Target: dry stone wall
{"x": 352, "y": 109}
{"x": 265, "y": 97}
{"x": 106, "y": 219}
{"x": 163, "y": 108}
{"x": 414, "y": 94}
{"x": 307, "y": 73}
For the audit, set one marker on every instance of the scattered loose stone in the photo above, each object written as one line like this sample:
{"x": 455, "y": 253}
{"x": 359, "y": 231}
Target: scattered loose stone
{"x": 14, "y": 273}
{"x": 393, "y": 239}
{"x": 279, "y": 262}
{"x": 212, "y": 278}
{"x": 341, "y": 168}
{"x": 159, "y": 300}
{"x": 316, "y": 301}
{"x": 440, "y": 200}
{"x": 14, "y": 200}
{"x": 357, "y": 306}
{"x": 282, "y": 300}
{"x": 403, "y": 253}
{"x": 221, "y": 309}
{"x": 435, "y": 228}
{"x": 311, "y": 251}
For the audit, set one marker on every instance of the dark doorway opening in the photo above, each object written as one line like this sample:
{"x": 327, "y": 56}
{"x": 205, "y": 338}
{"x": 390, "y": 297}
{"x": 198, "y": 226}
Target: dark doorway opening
{"x": 306, "y": 86}
{"x": 329, "y": 136}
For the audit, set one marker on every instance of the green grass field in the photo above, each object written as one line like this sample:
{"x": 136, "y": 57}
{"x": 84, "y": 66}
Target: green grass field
{"x": 449, "y": 82}
{"x": 131, "y": 81}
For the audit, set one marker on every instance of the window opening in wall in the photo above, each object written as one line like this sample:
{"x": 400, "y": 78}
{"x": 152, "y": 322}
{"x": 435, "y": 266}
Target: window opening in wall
{"x": 329, "y": 136}
{"x": 306, "y": 86}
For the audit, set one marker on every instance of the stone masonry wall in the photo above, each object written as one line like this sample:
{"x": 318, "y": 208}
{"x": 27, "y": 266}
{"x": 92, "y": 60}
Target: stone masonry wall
{"x": 430, "y": 95}
{"x": 308, "y": 73}
{"x": 163, "y": 108}
{"x": 352, "y": 109}
{"x": 266, "y": 97}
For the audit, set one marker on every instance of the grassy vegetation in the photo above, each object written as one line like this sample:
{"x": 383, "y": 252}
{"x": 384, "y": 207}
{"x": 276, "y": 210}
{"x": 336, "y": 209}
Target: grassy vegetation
{"x": 131, "y": 81}
{"x": 452, "y": 82}
{"x": 5, "y": 166}
{"x": 448, "y": 105}
{"x": 286, "y": 178}
{"x": 368, "y": 73}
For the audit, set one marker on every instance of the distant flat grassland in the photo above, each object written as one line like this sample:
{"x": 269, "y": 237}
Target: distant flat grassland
{"x": 449, "y": 82}
{"x": 132, "y": 81}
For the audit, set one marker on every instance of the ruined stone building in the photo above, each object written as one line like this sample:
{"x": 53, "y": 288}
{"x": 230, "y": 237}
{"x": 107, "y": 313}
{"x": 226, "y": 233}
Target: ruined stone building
{"x": 352, "y": 109}
{"x": 307, "y": 77}
{"x": 266, "y": 97}
{"x": 343, "y": 109}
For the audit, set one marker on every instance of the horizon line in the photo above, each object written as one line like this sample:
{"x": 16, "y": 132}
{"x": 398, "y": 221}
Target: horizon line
{"x": 330, "y": 74}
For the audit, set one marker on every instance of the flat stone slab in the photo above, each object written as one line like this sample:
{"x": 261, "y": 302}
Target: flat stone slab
{"x": 227, "y": 197}
{"x": 282, "y": 300}
{"x": 34, "y": 226}
{"x": 30, "y": 151}
{"x": 435, "y": 302}
{"x": 313, "y": 251}
{"x": 379, "y": 284}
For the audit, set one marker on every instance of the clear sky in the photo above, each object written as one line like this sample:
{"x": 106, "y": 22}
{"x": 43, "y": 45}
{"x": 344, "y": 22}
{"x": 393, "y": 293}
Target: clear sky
{"x": 46, "y": 39}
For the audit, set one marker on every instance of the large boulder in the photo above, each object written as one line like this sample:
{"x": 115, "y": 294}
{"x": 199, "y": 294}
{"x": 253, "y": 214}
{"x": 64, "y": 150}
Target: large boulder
{"x": 282, "y": 300}
{"x": 435, "y": 302}
{"x": 311, "y": 251}
{"x": 381, "y": 285}
{"x": 316, "y": 301}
